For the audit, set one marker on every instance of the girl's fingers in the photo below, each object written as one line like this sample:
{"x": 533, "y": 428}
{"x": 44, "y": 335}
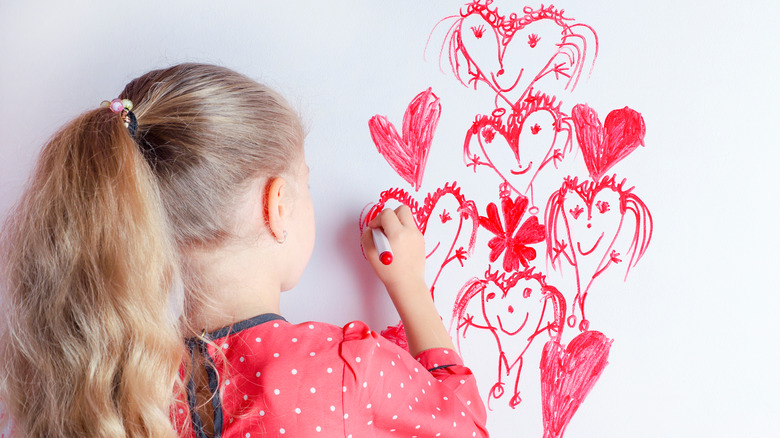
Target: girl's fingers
{"x": 367, "y": 241}
{"x": 405, "y": 217}
{"x": 389, "y": 221}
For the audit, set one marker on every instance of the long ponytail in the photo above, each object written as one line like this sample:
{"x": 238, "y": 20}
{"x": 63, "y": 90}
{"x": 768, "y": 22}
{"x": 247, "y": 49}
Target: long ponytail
{"x": 90, "y": 346}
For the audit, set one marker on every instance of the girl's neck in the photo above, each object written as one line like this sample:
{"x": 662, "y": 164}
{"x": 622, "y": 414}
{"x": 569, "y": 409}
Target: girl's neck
{"x": 236, "y": 284}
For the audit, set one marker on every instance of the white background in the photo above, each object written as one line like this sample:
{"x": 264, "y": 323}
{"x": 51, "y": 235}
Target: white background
{"x": 695, "y": 325}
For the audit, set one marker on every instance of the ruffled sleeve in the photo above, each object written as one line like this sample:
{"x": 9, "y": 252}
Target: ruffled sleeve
{"x": 389, "y": 393}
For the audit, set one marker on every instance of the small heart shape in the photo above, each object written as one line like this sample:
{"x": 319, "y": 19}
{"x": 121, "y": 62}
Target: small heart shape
{"x": 603, "y": 147}
{"x": 407, "y": 153}
{"x": 568, "y": 375}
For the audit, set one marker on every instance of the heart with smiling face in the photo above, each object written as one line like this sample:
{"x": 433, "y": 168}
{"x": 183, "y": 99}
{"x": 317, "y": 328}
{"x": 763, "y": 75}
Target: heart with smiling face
{"x": 407, "y": 153}
{"x": 590, "y": 226}
{"x": 442, "y": 218}
{"x": 568, "y": 375}
{"x": 509, "y": 53}
{"x": 514, "y": 308}
{"x": 519, "y": 145}
{"x": 604, "y": 146}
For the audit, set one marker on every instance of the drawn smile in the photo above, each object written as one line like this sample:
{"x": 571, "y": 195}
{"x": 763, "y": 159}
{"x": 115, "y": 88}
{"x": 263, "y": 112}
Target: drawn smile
{"x": 509, "y": 88}
{"x": 501, "y": 325}
{"x": 522, "y": 171}
{"x": 579, "y": 248}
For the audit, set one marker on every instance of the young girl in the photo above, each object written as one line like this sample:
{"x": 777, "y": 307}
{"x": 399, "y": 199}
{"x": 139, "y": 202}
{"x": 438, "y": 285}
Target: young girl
{"x": 142, "y": 271}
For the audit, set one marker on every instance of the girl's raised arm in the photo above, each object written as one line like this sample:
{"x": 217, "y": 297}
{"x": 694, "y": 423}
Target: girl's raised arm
{"x": 404, "y": 279}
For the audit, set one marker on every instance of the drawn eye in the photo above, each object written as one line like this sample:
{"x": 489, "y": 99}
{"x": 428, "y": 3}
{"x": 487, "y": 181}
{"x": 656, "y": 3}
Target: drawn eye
{"x": 535, "y": 129}
{"x": 533, "y": 39}
{"x": 478, "y": 31}
{"x": 576, "y": 211}
{"x": 445, "y": 217}
{"x": 490, "y": 296}
{"x": 603, "y": 206}
{"x": 488, "y": 134}
{"x": 527, "y": 292}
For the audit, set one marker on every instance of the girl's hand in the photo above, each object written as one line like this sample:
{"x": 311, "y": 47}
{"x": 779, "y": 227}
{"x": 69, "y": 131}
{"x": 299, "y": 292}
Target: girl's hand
{"x": 404, "y": 279}
{"x": 407, "y": 270}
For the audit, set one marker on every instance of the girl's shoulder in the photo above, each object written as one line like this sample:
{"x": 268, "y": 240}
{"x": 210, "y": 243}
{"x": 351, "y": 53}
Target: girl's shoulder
{"x": 271, "y": 334}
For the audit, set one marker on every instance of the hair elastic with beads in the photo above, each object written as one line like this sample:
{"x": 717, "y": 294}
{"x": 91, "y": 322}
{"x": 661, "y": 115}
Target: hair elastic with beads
{"x": 125, "y": 108}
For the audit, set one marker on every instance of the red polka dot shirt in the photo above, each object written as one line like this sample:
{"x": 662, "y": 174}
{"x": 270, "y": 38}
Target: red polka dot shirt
{"x": 276, "y": 379}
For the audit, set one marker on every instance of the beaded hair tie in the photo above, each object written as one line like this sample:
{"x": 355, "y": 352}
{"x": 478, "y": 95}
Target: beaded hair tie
{"x": 125, "y": 108}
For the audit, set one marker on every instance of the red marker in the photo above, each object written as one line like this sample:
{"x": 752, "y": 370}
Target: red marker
{"x": 382, "y": 246}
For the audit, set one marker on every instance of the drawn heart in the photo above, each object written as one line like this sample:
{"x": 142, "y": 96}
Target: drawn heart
{"x": 585, "y": 227}
{"x": 603, "y": 147}
{"x": 441, "y": 219}
{"x": 567, "y": 376}
{"x": 514, "y": 309}
{"x": 519, "y": 146}
{"x": 407, "y": 153}
{"x": 509, "y": 53}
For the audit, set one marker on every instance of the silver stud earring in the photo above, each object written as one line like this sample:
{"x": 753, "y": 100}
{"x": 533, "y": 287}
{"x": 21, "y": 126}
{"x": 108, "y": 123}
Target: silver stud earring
{"x": 283, "y": 239}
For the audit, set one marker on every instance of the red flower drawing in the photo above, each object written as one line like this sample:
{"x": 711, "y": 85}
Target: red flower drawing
{"x": 516, "y": 244}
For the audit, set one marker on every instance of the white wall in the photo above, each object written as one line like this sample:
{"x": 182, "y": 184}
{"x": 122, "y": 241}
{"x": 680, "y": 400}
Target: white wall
{"x": 694, "y": 326}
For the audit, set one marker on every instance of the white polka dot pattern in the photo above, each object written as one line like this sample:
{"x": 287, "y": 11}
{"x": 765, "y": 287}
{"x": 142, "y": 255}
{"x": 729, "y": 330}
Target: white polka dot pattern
{"x": 316, "y": 379}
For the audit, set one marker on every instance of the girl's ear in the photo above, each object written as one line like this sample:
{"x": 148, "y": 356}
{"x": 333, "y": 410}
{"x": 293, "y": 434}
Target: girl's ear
{"x": 275, "y": 207}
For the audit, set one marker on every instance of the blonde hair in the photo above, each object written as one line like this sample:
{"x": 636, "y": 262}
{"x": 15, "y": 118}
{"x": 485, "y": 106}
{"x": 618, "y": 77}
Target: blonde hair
{"x": 91, "y": 253}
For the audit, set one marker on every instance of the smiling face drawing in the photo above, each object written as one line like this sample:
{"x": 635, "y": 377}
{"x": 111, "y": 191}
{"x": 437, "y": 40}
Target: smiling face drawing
{"x": 515, "y": 308}
{"x": 507, "y": 58}
{"x": 514, "y": 311}
{"x": 510, "y": 53}
{"x": 519, "y": 144}
{"x": 592, "y": 219}
{"x": 589, "y": 225}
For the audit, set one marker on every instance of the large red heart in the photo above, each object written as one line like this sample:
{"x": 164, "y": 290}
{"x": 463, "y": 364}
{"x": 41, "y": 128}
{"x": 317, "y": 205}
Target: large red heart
{"x": 407, "y": 153}
{"x": 603, "y": 147}
{"x": 568, "y": 375}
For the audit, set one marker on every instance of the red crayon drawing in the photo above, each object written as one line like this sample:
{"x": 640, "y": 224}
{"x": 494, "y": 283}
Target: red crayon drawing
{"x": 524, "y": 49}
{"x": 407, "y": 153}
{"x": 507, "y": 61}
{"x": 516, "y": 309}
{"x": 573, "y": 210}
{"x": 442, "y": 246}
{"x": 603, "y": 147}
{"x": 568, "y": 375}
{"x": 442, "y": 243}
{"x": 506, "y": 240}
{"x": 522, "y": 149}
{"x": 572, "y": 237}
{"x": 523, "y": 61}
